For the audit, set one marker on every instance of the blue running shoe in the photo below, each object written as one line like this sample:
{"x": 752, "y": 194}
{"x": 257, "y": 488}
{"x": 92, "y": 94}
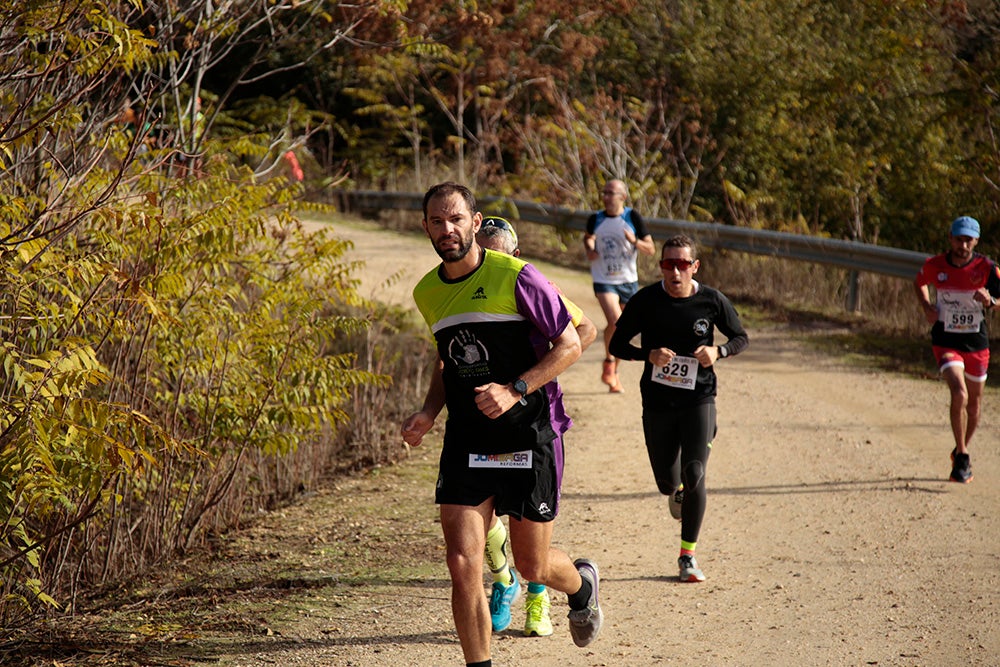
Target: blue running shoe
{"x": 500, "y": 600}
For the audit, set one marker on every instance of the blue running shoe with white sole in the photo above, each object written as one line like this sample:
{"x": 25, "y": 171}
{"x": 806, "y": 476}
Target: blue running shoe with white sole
{"x": 501, "y": 599}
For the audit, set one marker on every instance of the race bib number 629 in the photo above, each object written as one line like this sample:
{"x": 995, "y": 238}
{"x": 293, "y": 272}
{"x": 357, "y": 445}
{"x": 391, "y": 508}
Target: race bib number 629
{"x": 680, "y": 373}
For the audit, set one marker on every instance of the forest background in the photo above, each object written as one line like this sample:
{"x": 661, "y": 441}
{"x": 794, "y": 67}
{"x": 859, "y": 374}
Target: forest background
{"x": 177, "y": 352}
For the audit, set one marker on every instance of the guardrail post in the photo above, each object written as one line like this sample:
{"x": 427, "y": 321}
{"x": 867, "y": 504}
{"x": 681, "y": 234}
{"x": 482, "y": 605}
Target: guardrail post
{"x": 853, "y": 290}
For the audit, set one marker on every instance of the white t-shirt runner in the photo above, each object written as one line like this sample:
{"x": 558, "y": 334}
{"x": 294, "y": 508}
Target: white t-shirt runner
{"x": 616, "y": 262}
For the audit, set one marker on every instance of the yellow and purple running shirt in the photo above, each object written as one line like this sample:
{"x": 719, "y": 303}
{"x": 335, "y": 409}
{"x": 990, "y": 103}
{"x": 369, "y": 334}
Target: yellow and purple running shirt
{"x": 492, "y": 325}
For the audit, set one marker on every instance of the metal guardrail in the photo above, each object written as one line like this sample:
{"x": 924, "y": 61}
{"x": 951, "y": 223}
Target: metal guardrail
{"x": 846, "y": 254}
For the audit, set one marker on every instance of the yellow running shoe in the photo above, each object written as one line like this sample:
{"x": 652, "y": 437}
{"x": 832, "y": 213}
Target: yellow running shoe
{"x": 537, "y": 622}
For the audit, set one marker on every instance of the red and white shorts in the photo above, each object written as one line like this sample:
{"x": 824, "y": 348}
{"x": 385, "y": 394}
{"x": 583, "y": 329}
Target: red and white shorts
{"x": 975, "y": 363}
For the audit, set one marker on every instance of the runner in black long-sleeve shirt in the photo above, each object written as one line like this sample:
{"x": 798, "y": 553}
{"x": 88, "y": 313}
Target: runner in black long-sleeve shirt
{"x": 677, "y": 318}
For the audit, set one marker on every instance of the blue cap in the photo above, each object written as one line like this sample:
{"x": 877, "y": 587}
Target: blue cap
{"x": 965, "y": 226}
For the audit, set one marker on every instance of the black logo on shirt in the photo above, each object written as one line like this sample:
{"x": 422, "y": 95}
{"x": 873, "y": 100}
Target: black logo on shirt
{"x": 480, "y": 293}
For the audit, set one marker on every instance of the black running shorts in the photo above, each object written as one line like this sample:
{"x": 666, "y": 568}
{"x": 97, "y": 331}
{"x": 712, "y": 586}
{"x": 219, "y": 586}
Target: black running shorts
{"x": 524, "y": 484}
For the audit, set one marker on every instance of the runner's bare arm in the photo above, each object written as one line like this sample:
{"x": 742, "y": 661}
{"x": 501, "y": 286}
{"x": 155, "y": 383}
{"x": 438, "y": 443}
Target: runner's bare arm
{"x": 924, "y": 299}
{"x": 590, "y": 246}
{"x": 646, "y": 245}
{"x": 416, "y": 426}
{"x": 587, "y": 331}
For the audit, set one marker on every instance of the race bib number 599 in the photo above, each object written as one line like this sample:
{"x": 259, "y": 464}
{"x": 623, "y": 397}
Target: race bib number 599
{"x": 960, "y": 311}
{"x": 680, "y": 373}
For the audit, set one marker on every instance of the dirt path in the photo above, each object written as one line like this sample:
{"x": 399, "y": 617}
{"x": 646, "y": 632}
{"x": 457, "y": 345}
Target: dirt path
{"x": 832, "y": 537}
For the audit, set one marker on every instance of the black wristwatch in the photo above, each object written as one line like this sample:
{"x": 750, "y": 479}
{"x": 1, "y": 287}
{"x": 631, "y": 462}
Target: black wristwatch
{"x": 521, "y": 387}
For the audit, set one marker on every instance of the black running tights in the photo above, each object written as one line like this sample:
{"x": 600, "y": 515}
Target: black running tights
{"x": 677, "y": 443}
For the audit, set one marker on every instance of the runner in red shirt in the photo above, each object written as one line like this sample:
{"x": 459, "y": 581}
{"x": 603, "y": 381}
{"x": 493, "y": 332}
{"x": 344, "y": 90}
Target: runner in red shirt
{"x": 966, "y": 284}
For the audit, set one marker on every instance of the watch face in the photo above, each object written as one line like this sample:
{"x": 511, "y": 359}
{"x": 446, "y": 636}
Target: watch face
{"x": 520, "y": 386}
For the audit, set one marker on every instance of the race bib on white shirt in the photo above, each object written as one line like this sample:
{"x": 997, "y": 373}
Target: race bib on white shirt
{"x": 680, "y": 373}
{"x": 959, "y": 311}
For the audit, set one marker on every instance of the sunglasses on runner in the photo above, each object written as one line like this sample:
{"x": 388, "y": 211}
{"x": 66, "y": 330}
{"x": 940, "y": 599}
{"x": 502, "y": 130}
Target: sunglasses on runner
{"x": 500, "y": 223}
{"x": 680, "y": 264}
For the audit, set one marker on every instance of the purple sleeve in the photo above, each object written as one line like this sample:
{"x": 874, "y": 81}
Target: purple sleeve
{"x": 539, "y": 302}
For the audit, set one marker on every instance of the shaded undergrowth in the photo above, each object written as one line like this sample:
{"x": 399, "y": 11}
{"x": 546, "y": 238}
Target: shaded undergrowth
{"x": 336, "y": 553}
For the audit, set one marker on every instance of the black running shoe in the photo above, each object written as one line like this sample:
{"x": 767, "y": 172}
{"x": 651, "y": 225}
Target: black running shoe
{"x": 961, "y": 468}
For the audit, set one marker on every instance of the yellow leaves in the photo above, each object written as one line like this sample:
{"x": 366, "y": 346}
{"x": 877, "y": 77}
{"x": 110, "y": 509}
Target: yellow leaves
{"x": 159, "y": 630}
{"x": 27, "y": 250}
{"x": 35, "y": 585}
{"x": 733, "y": 191}
{"x": 62, "y": 373}
{"x": 41, "y": 363}
{"x": 151, "y": 306}
{"x": 172, "y": 283}
{"x": 166, "y": 331}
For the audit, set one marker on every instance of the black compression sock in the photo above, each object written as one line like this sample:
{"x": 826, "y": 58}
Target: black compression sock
{"x": 484, "y": 663}
{"x": 580, "y": 599}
